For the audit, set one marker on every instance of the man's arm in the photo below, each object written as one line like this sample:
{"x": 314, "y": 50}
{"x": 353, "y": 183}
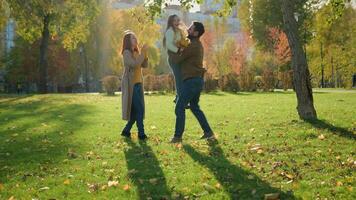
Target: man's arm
{"x": 187, "y": 53}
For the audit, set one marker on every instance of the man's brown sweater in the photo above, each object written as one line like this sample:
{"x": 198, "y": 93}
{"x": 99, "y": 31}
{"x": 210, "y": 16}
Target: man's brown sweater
{"x": 190, "y": 60}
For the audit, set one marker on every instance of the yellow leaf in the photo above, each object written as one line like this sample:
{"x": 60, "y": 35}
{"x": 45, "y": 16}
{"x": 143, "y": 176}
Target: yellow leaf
{"x": 126, "y": 187}
{"x": 218, "y": 186}
{"x": 12, "y": 198}
{"x": 113, "y": 183}
{"x": 272, "y": 196}
{"x": 66, "y": 182}
{"x": 339, "y": 183}
{"x": 153, "y": 181}
{"x": 104, "y": 187}
{"x": 321, "y": 137}
{"x": 1, "y": 186}
{"x": 290, "y": 176}
{"x": 179, "y": 145}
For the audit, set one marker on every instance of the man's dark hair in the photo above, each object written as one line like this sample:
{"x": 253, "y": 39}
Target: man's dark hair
{"x": 199, "y": 27}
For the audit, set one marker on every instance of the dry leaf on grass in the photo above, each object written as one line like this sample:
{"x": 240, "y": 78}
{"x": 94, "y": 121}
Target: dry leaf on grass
{"x": 126, "y": 187}
{"x": 272, "y": 196}
{"x": 66, "y": 182}
{"x": 113, "y": 183}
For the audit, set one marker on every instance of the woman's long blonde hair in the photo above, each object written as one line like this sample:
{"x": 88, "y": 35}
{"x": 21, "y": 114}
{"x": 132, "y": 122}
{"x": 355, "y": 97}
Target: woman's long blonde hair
{"x": 126, "y": 43}
{"x": 169, "y": 25}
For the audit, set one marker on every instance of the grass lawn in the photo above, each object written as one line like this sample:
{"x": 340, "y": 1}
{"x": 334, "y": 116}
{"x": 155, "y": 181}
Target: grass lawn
{"x": 67, "y": 146}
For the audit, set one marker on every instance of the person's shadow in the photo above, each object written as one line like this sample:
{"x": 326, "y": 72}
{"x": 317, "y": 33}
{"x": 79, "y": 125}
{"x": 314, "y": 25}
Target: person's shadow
{"x": 145, "y": 172}
{"x": 237, "y": 182}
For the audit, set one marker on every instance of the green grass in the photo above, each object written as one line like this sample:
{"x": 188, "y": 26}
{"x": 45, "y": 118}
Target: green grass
{"x": 68, "y": 147}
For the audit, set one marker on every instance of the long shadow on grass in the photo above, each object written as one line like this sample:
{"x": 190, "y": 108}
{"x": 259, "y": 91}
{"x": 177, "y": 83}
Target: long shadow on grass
{"x": 323, "y": 124}
{"x": 145, "y": 172}
{"x": 35, "y": 136}
{"x": 237, "y": 182}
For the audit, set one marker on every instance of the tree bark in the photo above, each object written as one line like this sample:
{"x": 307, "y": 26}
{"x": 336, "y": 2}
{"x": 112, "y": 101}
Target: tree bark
{"x": 43, "y": 55}
{"x": 301, "y": 76}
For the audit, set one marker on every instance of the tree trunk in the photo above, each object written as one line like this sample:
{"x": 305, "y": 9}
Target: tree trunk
{"x": 301, "y": 76}
{"x": 43, "y": 55}
{"x": 86, "y": 70}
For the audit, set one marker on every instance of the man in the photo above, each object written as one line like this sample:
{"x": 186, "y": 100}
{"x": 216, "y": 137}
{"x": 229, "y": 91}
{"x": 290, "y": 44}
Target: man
{"x": 191, "y": 62}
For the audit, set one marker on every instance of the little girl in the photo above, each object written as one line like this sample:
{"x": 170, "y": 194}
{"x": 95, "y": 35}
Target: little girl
{"x": 175, "y": 39}
{"x": 133, "y": 105}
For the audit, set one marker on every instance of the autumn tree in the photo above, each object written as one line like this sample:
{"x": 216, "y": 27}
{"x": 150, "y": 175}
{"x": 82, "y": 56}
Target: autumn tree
{"x": 42, "y": 19}
{"x": 138, "y": 21}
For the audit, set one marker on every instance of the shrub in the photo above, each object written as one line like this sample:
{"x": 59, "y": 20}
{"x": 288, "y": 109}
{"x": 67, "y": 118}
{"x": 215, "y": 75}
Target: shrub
{"x": 268, "y": 80}
{"x": 229, "y": 82}
{"x": 286, "y": 79}
{"x": 247, "y": 80}
{"x": 110, "y": 84}
{"x": 210, "y": 83}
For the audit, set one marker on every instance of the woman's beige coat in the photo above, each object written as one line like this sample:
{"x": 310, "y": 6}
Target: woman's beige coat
{"x": 130, "y": 63}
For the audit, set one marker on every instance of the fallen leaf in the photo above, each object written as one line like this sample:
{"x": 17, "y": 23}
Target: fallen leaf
{"x": 104, "y": 187}
{"x": 113, "y": 183}
{"x": 43, "y": 188}
{"x": 339, "y": 183}
{"x": 15, "y": 135}
{"x": 153, "y": 181}
{"x": 12, "y": 198}
{"x": 66, "y": 182}
{"x": 153, "y": 127}
{"x": 1, "y": 186}
{"x": 126, "y": 187}
{"x": 290, "y": 176}
{"x": 179, "y": 145}
{"x": 252, "y": 130}
{"x": 93, "y": 187}
{"x": 218, "y": 186}
{"x": 272, "y": 196}
{"x": 321, "y": 137}
{"x": 253, "y": 192}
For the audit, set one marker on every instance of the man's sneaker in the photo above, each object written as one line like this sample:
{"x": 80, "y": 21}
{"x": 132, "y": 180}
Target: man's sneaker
{"x": 142, "y": 137}
{"x": 208, "y": 136}
{"x": 126, "y": 134}
{"x": 176, "y": 140}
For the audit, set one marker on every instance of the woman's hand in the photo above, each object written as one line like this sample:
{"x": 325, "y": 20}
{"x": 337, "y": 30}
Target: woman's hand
{"x": 144, "y": 50}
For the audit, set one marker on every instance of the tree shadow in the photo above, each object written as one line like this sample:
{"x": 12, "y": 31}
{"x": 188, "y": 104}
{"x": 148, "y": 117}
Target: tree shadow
{"x": 8, "y": 98}
{"x": 323, "y": 124}
{"x": 237, "y": 182}
{"x": 35, "y": 136}
{"x": 145, "y": 172}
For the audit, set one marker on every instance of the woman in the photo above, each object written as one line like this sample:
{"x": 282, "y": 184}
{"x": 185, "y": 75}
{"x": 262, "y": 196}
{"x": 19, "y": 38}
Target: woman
{"x": 174, "y": 41}
{"x": 133, "y": 106}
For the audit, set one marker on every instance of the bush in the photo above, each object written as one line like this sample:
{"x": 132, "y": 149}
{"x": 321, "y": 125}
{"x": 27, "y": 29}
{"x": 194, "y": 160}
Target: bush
{"x": 210, "y": 83}
{"x": 110, "y": 84}
{"x": 268, "y": 80}
{"x": 258, "y": 82}
{"x": 247, "y": 80}
{"x": 286, "y": 79}
{"x": 163, "y": 82}
{"x": 229, "y": 82}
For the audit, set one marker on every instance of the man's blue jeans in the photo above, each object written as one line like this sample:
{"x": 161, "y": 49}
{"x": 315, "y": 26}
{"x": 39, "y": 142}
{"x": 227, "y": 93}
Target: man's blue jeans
{"x": 191, "y": 89}
{"x": 177, "y": 78}
{"x": 137, "y": 110}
